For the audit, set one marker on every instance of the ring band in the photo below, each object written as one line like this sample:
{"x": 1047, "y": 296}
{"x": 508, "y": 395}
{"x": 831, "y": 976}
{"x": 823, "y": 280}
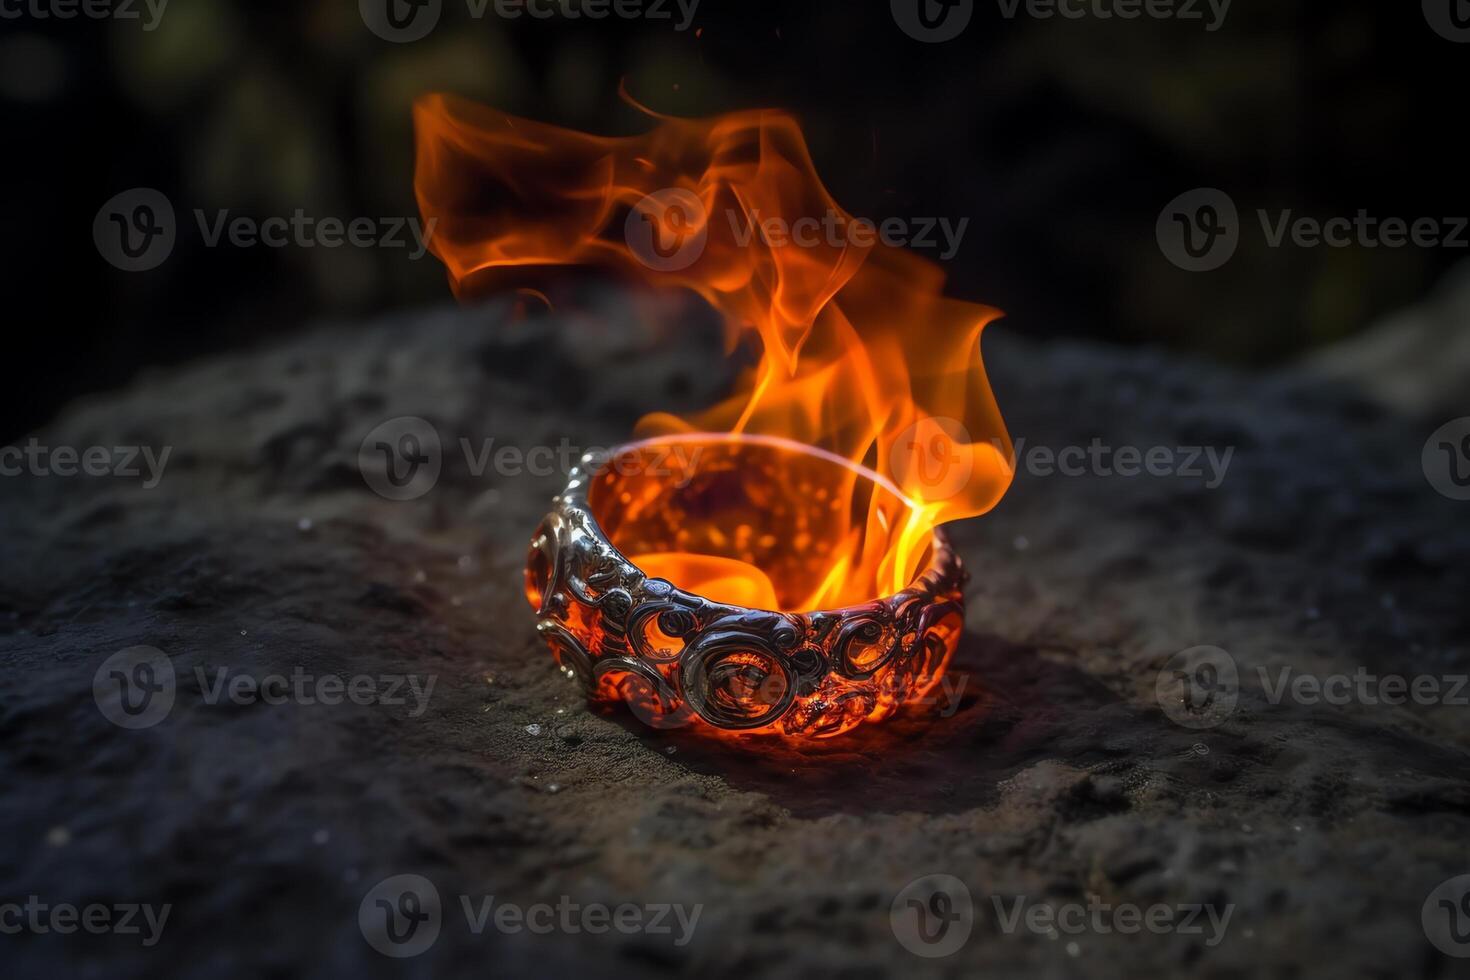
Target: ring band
{"x": 679, "y": 659}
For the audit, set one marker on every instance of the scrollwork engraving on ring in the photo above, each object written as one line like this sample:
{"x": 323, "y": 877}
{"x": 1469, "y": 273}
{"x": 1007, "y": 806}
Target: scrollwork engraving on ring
{"x": 676, "y": 658}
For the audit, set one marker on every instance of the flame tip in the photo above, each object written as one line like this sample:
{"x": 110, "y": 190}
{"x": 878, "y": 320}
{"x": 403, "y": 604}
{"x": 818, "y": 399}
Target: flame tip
{"x": 859, "y": 350}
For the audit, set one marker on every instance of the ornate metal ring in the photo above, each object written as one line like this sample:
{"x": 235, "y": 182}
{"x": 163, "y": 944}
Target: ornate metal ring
{"x": 677, "y": 658}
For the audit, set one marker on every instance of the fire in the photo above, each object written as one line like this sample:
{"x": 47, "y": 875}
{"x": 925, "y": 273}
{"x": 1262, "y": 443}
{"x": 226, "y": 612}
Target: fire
{"x": 861, "y": 355}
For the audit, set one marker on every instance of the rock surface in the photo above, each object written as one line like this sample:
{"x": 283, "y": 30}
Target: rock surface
{"x": 1054, "y": 777}
{"x": 1416, "y": 363}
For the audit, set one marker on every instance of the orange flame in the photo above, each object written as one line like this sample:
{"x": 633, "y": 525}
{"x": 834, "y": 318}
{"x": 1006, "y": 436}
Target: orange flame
{"x": 860, "y": 353}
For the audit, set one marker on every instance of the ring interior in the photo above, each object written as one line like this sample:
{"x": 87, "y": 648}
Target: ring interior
{"x": 756, "y": 522}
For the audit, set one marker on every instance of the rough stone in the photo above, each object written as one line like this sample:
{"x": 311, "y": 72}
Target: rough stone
{"x": 1059, "y": 778}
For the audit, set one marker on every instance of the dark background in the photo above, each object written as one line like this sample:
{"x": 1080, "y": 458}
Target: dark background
{"x": 1336, "y": 545}
{"x": 1061, "y": 141}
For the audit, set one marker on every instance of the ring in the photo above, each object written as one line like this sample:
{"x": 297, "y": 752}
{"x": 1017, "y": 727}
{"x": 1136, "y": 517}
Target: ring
{"x": 664, "y": 576}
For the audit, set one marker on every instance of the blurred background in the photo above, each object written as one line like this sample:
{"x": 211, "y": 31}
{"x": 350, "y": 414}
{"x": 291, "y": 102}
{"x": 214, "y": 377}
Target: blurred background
{"x": 1060, "y": 140}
